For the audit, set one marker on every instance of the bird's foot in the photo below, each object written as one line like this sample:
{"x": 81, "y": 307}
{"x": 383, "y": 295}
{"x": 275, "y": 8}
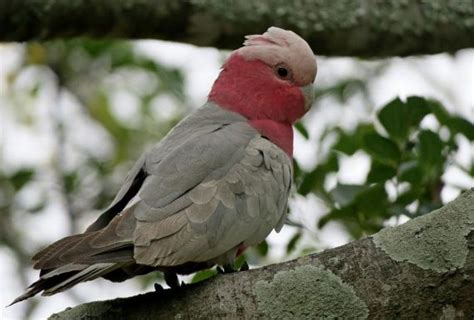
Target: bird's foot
{"x": 230, "y": 268}
{"x": 244, "y": 266}
{"x": 171, "y": 279}
{"x": 158, "y": 287}
{"x": 227, "y": 268}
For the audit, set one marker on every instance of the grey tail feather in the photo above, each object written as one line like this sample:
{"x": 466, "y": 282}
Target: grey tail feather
{"x": 28, "y": 294}
{"x": 40, "y": 285}
{"x": 63, "y": 278}
{"x": 90, "y": 273}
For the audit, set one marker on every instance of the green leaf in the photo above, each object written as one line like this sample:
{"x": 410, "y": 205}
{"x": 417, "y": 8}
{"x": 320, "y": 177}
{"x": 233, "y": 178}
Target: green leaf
{"x": 344, "y": 194}
{"x": 441, "y": 114}
{"x": 411, "y": 172}
{"x": 70, "y": 181}
{"x": 372, "y": 200}
{"x": 239, "y": 262}
{"x": 364, "y": 208}
{"x": 292, "y": 243}
{"x": 396, "y": 210}
{"x": 337, "y": 214}
{"x": 349, "y": 143}
{"x": 462, "y": 126}
{"x": 407, "y": 197}
{"x": 454, "y": 123}
{"x": 346, "y": 143}
{"x": 398, "y": 117}
{"x": 393, "y": 117}
{"x": 381, "y": 148}
{"x": 430, "y": 149}
{"x": 418, "y": 107}
{"x": 343, "y": 89}
{"x": 297, "y": 172}
{"x": 426, "y": 207}
{"x": 262, "y": 248}
{"x": 315, "y": 179}
{"x": 301, "y": 129}
{"x": 21, "y": 178}
{"x": 380, "y": 172}
{"x": 203, "y": 275}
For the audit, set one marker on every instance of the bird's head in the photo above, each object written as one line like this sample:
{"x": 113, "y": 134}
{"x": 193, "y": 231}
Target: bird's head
{"x": 269, "y": 78}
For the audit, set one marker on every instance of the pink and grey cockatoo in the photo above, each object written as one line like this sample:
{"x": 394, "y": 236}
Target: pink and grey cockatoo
{"x": 215, "y": 185}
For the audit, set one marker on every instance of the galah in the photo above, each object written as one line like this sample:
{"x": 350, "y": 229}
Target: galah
{"x": 215, "y": 185}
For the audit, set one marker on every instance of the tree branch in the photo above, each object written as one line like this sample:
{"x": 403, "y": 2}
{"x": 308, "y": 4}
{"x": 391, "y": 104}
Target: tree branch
{"x": 422, "y": 269}
{"x": 371, "y": 28}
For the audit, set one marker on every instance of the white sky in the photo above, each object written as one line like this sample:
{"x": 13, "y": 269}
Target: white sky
{"x": 447, "y": 78}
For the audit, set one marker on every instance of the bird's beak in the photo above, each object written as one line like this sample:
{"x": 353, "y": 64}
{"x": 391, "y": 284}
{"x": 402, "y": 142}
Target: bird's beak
{"x": 308, "y": 94}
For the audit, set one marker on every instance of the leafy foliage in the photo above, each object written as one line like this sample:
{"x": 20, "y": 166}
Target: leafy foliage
{"x": 403, "y": 156}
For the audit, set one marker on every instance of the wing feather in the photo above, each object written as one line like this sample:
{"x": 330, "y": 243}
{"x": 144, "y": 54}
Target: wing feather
{"x": 242, "y": 206}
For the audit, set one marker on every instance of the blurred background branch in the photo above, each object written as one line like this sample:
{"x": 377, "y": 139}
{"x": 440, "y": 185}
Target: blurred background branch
{"x": 348, "y": 27}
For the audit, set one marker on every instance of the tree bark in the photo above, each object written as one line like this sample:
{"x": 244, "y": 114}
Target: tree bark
{"x": 370, "y": 28}
{"x": 423, "y": 269}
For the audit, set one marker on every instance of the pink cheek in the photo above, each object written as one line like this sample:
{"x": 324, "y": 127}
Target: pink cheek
{"x": 293, "y": 104}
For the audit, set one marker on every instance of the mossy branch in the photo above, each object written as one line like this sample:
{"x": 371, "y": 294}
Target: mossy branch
{"x": 370, "y": 28}
{"x": 423, "y": 269}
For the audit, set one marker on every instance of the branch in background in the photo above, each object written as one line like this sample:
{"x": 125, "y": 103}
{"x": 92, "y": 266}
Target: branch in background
{"x": 367, "y": 28}
{"x": 422, "y": 269}
{"x": 59, "y": 157}
{"x": 9, "y": 236}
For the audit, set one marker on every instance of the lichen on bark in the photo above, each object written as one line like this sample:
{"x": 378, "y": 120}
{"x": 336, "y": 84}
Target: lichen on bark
{"x": 361, "y": 277}
{"x": 308, "y": 292}
{"x": 436, "y": 241}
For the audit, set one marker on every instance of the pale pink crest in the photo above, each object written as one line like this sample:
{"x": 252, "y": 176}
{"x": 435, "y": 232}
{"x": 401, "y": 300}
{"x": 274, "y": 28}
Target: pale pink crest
{"x": 278, "y": 46}
{"x": 262, "y": 39}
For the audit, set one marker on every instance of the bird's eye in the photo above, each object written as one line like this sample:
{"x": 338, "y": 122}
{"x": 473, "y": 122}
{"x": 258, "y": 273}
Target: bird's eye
{"x": 283, "y": 72}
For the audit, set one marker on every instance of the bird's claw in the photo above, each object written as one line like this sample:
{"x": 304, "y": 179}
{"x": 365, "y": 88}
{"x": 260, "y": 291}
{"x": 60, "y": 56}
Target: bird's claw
{"x": 171, "y": 279}
{"x": 229, "y": 268}
{"x": 244, "y": 266}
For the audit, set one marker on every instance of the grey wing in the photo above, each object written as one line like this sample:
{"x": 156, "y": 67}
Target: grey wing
{"x": 164, "y": 195}
{"x": 203, "y": 121}
{"x": 237, "y": 203}
{"x": 133, "y": 182}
